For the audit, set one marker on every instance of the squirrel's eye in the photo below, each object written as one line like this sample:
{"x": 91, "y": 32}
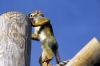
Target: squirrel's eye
{"x": 31, "y": 15}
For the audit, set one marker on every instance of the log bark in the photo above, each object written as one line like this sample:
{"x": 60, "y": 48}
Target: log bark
{"x": 15, "y": 42}
{"x": 88, "y": 56}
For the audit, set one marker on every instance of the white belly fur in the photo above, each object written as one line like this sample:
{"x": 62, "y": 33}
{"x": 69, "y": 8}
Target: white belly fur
{"x": 41, "y": 35}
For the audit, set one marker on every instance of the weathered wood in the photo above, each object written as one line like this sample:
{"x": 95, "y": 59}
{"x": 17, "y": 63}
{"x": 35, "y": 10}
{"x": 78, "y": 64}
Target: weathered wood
{"x": 88, "y": 56}
{"x": 15, "y": 43}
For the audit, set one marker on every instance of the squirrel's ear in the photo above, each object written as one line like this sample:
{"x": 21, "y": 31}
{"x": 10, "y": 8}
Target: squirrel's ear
{"x": 38, "y": 11}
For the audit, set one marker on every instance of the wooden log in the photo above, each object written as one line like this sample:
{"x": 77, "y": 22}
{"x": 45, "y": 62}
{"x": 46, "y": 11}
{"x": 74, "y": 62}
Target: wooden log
{"x": 88, "y": 56}
{"x": 15, "y": 42}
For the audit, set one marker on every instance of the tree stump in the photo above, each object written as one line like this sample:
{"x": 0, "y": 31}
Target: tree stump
{"x": 15, "y": 42}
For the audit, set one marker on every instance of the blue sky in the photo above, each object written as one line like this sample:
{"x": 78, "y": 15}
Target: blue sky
{"x": 75, "y": 23}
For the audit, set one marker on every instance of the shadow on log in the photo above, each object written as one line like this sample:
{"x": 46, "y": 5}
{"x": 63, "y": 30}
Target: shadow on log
{"x": 15, "y": 42}
{"x": 97, "y": 63}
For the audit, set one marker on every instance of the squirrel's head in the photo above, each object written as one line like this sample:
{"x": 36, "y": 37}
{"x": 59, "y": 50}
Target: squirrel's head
{"x": 35, "y": 14}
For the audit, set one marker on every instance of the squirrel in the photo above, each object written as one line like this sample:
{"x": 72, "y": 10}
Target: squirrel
{"x": 43, "y": 32}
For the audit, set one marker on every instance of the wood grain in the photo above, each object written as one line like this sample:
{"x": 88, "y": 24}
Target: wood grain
{"x": 15, "y": 42}
{"x": 88, "y": 56}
